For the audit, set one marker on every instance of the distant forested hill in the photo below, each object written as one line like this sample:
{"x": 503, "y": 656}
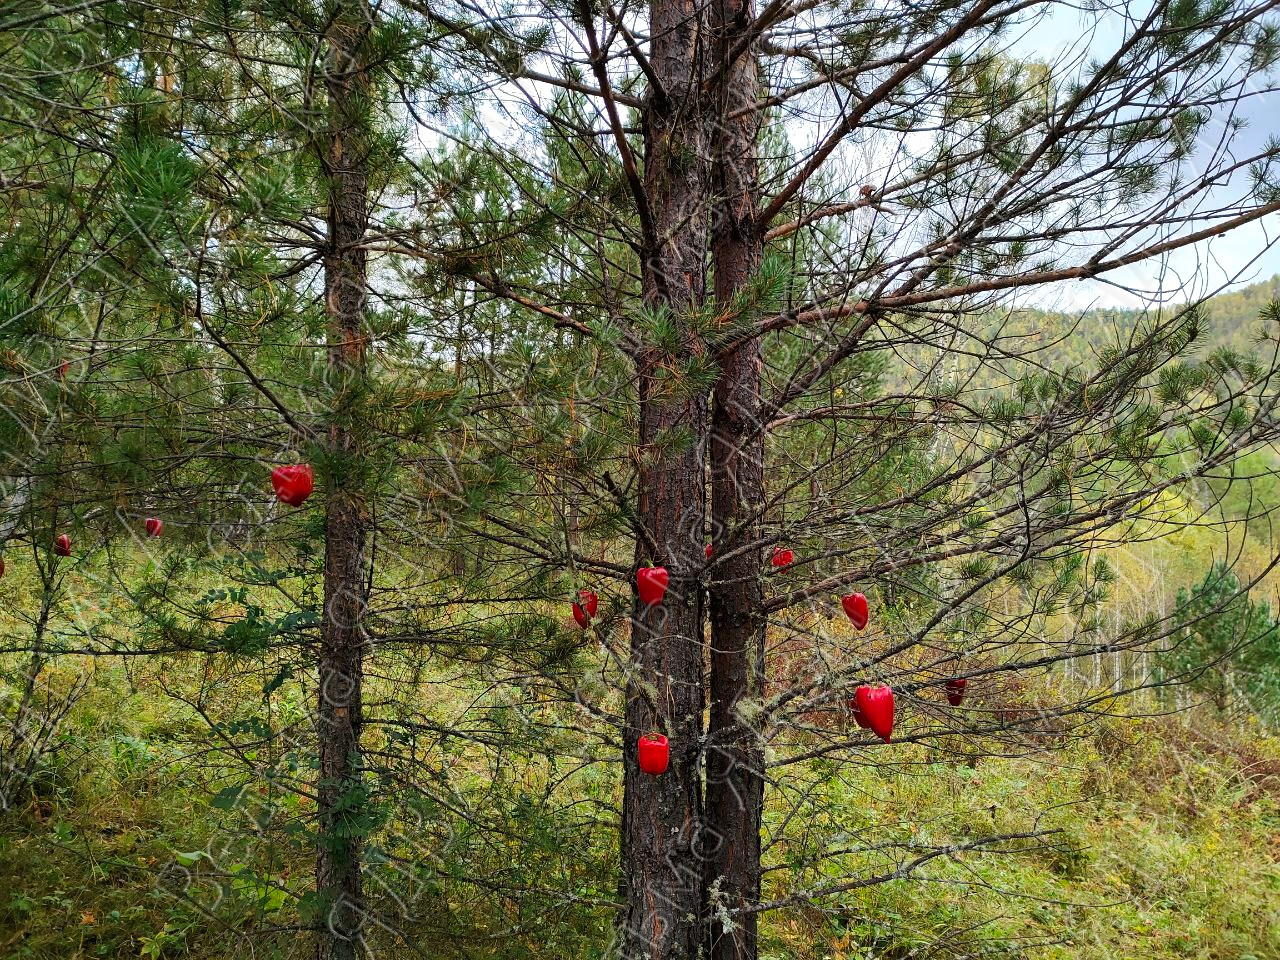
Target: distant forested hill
{"x": 1234, "y": 316}
{"x": 1074, "y": 339}
{"x": 1243, "y": 321}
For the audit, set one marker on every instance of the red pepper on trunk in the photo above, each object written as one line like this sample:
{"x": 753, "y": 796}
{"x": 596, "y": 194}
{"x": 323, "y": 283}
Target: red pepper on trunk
{"x": 655, "y": 754}
{"x": 651, "y": 583}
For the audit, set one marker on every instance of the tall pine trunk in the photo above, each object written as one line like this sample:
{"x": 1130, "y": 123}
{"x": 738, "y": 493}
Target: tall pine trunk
{"x": 341, "y": 668}
{"x": 662, "y": 816}
{"x": 735, "y": 754}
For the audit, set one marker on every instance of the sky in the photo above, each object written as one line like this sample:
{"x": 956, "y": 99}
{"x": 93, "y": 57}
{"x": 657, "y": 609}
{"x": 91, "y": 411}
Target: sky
{"x": 1244, "y": 256}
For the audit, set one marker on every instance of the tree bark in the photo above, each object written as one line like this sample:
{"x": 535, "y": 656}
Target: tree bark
{"x": 662, "y": 816}
{"x": 735, "y": 753}
{"x": 341, "y": 670}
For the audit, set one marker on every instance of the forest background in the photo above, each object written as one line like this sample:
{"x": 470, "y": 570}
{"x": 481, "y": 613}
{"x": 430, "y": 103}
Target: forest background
{"x": 367, "y": 724}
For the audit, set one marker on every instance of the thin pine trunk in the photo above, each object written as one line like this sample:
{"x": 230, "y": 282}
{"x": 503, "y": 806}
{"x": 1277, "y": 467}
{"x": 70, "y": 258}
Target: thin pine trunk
{"x": 735, "y": 753}
{"x": 662, "y": 816}
{"x": 341, "y": 669}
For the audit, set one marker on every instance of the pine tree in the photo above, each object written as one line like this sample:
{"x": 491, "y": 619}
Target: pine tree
{"x": 1226, "y": 645}
{"x": 635, "y": 299}
{"x": 223, "y": 254}
{"x": 975, "y": 481}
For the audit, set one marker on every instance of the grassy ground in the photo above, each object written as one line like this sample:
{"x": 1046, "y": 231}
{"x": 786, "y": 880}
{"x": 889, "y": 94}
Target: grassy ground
{"x": 1168, "y": 847}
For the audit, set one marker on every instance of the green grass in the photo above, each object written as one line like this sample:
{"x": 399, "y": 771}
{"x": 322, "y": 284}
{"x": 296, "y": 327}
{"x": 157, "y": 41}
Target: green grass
{"x": 1168, "y": 847}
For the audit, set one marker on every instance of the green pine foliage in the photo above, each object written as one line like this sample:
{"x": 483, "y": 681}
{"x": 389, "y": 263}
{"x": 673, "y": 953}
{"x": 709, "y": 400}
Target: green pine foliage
{"x": 988, "y": 477}
{"x": 1228, "y": 647}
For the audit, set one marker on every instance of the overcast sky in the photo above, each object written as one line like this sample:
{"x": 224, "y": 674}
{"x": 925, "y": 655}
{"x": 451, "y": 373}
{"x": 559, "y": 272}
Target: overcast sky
{"x": 1244, "y": 256}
